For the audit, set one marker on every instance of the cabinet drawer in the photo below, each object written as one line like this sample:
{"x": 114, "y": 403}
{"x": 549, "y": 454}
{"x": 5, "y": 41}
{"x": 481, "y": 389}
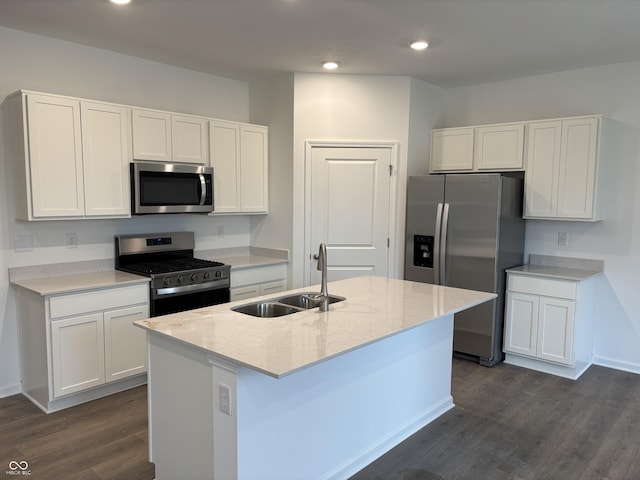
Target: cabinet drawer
{"x": 97, "y": 300}
{"x": 252, "y": 275}
{"x": 542, "y": 286}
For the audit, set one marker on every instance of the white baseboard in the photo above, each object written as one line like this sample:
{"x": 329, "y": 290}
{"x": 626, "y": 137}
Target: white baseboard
{"x": 9, "y": 390}
{"x": 616, "y": 364}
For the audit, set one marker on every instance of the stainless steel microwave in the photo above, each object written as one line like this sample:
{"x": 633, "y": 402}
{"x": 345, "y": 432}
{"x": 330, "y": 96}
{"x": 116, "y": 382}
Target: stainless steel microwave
{"x": 170, "y": 188}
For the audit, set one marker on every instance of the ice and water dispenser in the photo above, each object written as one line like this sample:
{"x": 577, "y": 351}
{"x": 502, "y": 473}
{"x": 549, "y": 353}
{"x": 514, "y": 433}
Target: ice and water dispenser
{"x": 423, "y": 251}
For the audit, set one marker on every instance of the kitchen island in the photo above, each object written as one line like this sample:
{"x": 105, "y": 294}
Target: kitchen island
{"x": 311, "y": 395}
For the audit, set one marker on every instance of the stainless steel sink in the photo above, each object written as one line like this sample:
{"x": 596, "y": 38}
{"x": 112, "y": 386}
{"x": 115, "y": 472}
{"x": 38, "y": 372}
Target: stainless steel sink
{"x": 277, "y": 307}
{"x": 267, "y": 309}
{"x": 305, "y": 300}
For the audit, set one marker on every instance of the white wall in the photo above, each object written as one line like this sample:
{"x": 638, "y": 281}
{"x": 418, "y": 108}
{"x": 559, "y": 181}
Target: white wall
{"x": 38, "y": 63}
{"x": 612, "y": 91}
{"x": 271, "y": 103}
{"x": 356, "y": 108}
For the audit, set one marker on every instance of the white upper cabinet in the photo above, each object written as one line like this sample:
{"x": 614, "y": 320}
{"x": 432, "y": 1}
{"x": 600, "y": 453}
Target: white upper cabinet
{"x": 240, "y": 161}
{"x": 151, "y": 135}
{"x": 254, "y": 168}
{"x": 105, "y": 133}
{"x": 166, "y": 137}
{"x": 55, "y": 157}
{"x": 225, "y": 160}
{"x": 189, "y": 139}
{"x": 500, "y": 147}
{"x": 69, "y": 157}
{"x": 488, "y": 148}
{"x": 562, "y": 169}
{"x": 452, "y": 150}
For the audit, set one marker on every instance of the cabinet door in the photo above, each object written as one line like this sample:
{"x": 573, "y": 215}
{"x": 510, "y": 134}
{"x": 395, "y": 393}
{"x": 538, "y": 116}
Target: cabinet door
{"x": 500, "y": 147}
{"x": 521, "y": 324}
{"x": 189, "y": 139}
{"x": 542, "y": 169}
{"x": 577, "y": 168}
{"x": 105, "y": 151}
{"x": 77, "y": 354}
{"x": 151, "y": 135}
{"x": 254, "y": 168}
{"x": 452, "y": 149}
{"x": 225, "y": 159}
{"x": 125, "y": 344}
{"x": 555, "y": 330}
{"x": 55, "y": 156}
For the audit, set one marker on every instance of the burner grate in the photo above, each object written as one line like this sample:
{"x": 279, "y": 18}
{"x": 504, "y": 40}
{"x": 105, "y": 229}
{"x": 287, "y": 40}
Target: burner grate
{"x": 170, "y": 266}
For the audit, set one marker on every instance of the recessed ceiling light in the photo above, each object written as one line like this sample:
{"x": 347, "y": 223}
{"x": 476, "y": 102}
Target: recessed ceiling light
{"x": 330, "y": 65}
{"x": 120, "y": 2}
{"x": 419, "y": 45}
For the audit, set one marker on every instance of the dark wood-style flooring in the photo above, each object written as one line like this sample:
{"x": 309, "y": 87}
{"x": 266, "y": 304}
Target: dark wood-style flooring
{"x": 101, "y": 440}
{"x": 508, "y": 423}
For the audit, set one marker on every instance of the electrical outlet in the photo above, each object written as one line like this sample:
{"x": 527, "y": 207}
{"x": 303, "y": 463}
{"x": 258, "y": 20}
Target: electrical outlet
{"x": 72, "y": 240}
{"x": 23, "y": 243}
{"x": 224, "y": 398}
{"x": 220, "y": 231}
{"x": 563, "y": 239}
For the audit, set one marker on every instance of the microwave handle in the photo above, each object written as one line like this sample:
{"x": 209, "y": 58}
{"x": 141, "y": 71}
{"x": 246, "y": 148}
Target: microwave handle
{"x": 203, "y": 189}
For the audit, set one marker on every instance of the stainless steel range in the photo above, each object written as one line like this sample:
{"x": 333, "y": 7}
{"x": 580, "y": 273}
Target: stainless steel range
{"x": 179, "y": 281}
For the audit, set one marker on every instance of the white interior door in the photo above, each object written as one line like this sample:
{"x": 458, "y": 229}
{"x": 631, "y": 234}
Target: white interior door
{"x": 350, "y": 210}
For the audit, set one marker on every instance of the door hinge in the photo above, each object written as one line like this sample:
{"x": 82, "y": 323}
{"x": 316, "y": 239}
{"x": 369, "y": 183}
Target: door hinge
{"x": 390, "y": 169}
{"x": 388, "y": 242}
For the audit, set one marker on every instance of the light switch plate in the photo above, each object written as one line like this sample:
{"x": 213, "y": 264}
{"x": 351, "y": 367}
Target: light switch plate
{"x": 563, "y": 239}
{"x": 23, "y": 243}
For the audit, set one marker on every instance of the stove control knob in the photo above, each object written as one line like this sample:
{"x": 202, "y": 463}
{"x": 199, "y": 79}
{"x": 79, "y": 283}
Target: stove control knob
{"x": 194, "y": 277}
{"x": 180, "y": 278}
{"x": 206, "y": 275}
{"x": 167, "y": 282}
{"x": 218, "y": 273}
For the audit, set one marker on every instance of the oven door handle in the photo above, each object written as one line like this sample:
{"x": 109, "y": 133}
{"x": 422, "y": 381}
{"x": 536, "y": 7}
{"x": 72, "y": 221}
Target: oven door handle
{"x": 215, "y": 285}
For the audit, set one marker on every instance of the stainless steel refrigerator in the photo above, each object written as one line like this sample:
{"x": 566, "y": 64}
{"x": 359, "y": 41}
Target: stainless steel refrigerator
{"x": 464, "y": 230}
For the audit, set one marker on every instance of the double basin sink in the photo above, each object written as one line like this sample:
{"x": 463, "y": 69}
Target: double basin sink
{"x": 277, "y": 307}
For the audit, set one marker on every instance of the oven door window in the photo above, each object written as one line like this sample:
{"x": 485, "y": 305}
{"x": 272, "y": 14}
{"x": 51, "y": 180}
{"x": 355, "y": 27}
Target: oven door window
{"x": 169, "y": 188}
{"x": 188, "y": 301}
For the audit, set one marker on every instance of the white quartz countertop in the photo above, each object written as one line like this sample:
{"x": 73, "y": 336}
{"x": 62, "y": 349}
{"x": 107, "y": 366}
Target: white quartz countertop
{"x": 250, "y": 261}
{"x": 557, "y": 272}
{"x": 59, "y": 284}
{"x": 375, "y": 308}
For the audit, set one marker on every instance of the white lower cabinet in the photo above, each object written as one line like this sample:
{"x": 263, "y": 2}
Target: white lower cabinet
{"x": 549, "y": 324}
{"x": 257, "y": 281}
{"x": 77, "y": 353}
{"x": 80, "y": 346}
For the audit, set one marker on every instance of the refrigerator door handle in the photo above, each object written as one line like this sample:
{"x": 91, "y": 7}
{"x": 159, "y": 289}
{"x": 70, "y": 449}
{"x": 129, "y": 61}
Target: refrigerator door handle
{"x": 443, "y": 245}
{"x": 436, "y": 247}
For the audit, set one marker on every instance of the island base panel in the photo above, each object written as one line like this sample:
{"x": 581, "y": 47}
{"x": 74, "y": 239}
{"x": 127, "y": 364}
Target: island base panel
{"x": 326, "y": 421}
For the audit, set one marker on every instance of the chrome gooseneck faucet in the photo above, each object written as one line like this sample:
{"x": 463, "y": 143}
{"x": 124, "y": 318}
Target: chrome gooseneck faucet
{"x": 321, "y": 299}
{"x": 322, "y": 266}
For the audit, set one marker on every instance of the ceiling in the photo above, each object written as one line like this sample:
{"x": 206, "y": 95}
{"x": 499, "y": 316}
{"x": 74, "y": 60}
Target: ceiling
{"x": 471, "y": 41}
